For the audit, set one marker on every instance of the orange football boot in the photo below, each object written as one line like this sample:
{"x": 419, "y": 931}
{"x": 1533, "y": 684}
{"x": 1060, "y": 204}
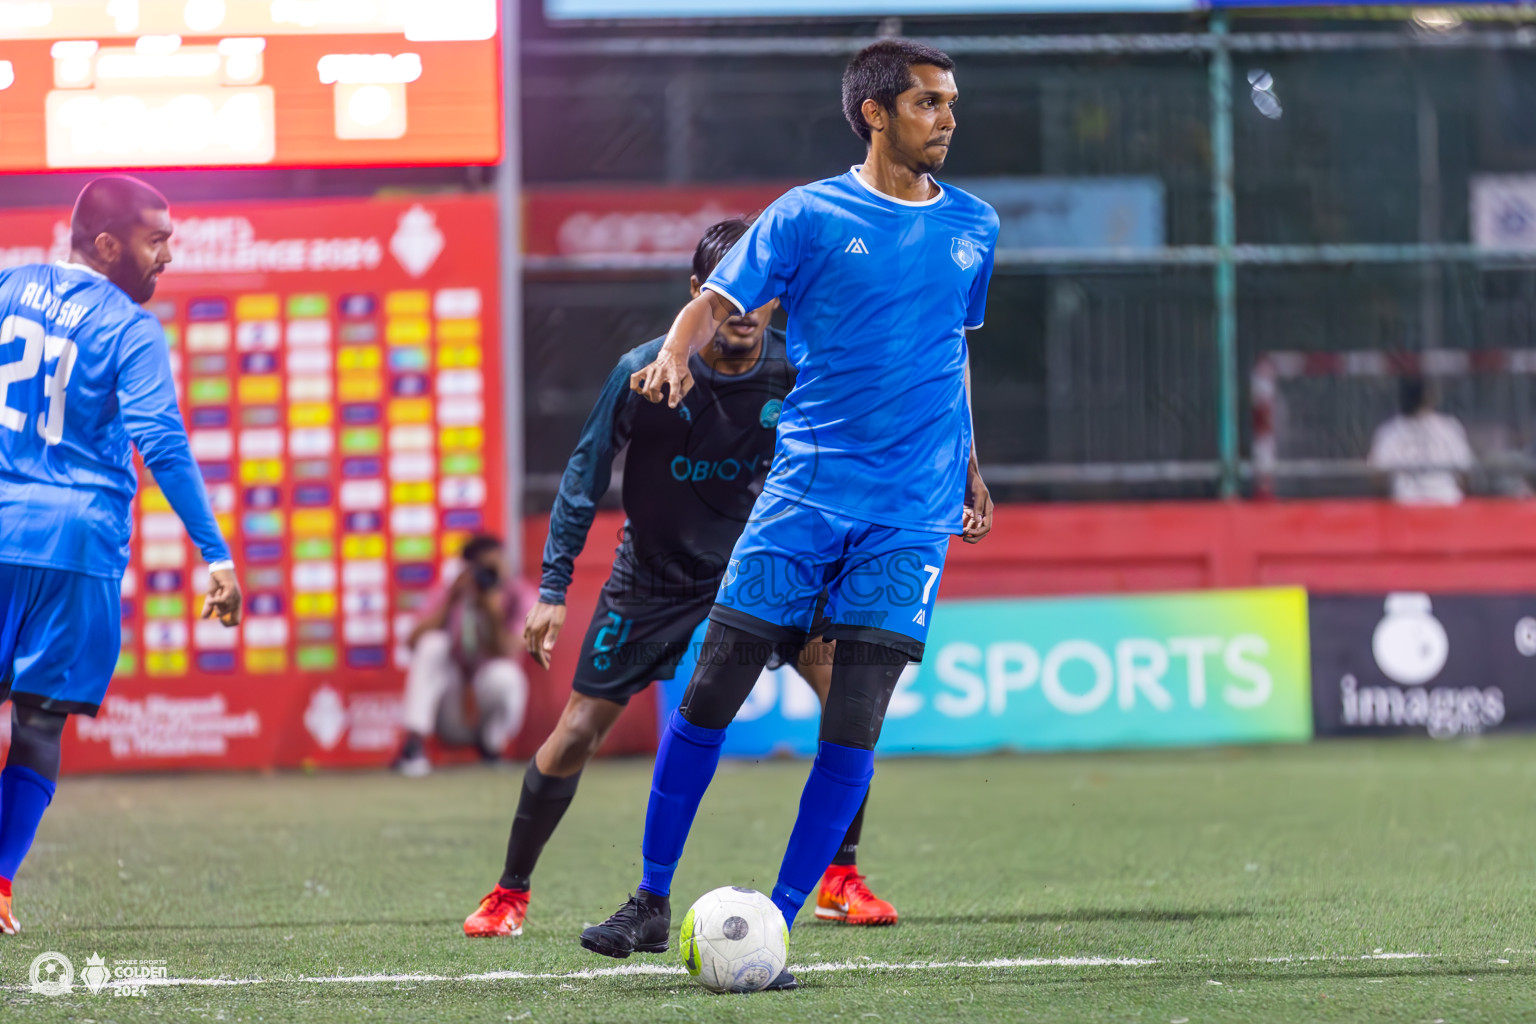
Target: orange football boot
{"x": 501, "y": 913}
{"x": 8, "y": 923}
{"x": 844, "y": 897}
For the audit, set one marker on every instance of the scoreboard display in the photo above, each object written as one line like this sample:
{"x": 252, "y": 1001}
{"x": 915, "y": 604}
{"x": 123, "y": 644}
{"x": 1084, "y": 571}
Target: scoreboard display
{"x": 338, "y": 369}
{"x": 220, "y": 83}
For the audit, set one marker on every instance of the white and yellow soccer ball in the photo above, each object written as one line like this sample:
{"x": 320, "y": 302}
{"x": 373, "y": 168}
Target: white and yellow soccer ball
{"x": 734, "y": 940}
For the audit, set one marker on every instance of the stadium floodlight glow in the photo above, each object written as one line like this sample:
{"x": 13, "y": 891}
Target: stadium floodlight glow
{"x": 120, "y": 63}
{"x": 370, "y": 106}
{"x": 450, "y": 21}
{"x": 369, "y": 68}
{"x": 124, "y": 14}
{"x": 157, "y": 46}
{"x": 204, "y": 15}
{"x": 371, "y": 110}
{"x": 242, "y": 59}
{"x": 7, "y": 74}
{"x": 25, "y": 14}
{"x": 73, "y": 63}
{"x": 311, "y": 13}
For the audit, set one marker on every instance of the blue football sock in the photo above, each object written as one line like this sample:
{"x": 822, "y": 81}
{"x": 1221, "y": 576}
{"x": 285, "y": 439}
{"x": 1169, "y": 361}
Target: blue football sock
{"x": 839, "y": 779}
{"x": 685, "y": 762}
{"x": 24, "y": 796}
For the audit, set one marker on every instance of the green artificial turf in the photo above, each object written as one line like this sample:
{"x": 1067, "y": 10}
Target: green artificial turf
{"x": 1257, "y": 879}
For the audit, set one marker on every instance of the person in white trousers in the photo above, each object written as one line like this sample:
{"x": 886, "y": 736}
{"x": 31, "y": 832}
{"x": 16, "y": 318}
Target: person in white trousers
{"x": 465, "y": 684}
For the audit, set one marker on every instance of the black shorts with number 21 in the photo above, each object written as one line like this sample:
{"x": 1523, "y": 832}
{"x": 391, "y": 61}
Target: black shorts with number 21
{"x": 630, "y": 643}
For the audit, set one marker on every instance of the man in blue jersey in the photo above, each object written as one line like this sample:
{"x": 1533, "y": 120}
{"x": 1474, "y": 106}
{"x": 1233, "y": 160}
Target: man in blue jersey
{"x": 691, "y": 474}
{"x": 881, "y": 270}
{"x": 84, "y": 377}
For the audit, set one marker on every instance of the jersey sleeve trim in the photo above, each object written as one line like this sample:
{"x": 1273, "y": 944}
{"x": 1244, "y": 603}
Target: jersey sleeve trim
{"x": 975, "y": 327}
{"x": 727, "y": 296}
{"x": 222, "y": 565}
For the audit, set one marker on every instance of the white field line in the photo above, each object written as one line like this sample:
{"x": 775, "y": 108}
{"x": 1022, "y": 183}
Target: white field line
{"x": 631, "y": 970}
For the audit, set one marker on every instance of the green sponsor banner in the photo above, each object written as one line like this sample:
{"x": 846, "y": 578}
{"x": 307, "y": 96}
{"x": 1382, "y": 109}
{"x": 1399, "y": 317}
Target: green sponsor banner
{"x": 1207, "y": 667}
{"x": 1221, "y": 666}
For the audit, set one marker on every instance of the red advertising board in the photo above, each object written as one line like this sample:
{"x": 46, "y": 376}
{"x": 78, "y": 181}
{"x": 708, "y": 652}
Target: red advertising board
{"x": 338, "y": 368}
{"x": 642, "y": 224}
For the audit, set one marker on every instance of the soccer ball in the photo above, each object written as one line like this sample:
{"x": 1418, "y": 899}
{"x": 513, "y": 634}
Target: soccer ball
{"x": 734, "y": 940}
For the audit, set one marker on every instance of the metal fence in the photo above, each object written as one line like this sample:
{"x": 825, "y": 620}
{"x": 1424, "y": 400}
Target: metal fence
{"x": 1315, "y": 177}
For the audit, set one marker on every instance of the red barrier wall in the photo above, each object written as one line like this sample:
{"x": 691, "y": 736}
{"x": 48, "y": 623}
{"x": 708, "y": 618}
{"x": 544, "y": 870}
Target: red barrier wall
{"x": 1325, "y": 546}
{"x": 1338, "y": 547}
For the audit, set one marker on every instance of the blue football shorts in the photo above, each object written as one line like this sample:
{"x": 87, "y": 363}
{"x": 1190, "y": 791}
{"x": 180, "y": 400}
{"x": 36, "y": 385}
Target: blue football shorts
{"x": 59, "y": 637}
{"x": 879, "y": 582}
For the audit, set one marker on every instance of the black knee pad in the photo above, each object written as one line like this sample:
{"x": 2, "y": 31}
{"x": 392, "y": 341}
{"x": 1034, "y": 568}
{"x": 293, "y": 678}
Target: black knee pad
{"x": 36, "y": 737}
{"x": 730, "y": 660}
{"x": 864, "y": 676}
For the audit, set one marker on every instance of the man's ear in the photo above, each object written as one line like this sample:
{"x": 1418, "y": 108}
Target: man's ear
{"x": 694, "y": 286}
{"x": 875, "y": 115}
{"x": 108, "y": 248}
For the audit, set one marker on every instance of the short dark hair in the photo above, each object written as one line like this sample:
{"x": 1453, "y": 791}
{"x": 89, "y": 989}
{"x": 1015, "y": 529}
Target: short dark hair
{"x": 717, "y": 241}
{"x": 112, "y": 204}
{"x": 881, "y": 72}
{"x": 478, "y": 545}
{"x": 1413, "y": 394}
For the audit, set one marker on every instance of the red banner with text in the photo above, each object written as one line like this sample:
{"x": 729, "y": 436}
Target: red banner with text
{"x": 338, "y": 366}
{"x": 638, "y": 223}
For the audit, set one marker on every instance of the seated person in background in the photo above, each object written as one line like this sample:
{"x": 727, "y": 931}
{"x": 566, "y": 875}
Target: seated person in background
{"x": 464, "y": 683}
{"x": 1424, "y": 452}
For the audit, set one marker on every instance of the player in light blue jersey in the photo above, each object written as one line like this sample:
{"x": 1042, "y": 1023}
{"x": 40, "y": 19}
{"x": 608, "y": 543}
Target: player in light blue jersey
{"x": 84, "y": 377}
{"x": 881, "y": 271}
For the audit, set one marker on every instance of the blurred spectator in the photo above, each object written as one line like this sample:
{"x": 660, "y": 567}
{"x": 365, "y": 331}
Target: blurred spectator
{"x": 465, "y": 683}
{"x": 1424, "y": 453}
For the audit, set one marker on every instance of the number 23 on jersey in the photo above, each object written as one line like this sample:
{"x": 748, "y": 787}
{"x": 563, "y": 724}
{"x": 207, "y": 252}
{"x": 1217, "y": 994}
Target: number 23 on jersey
{"x": 39, "y": 348}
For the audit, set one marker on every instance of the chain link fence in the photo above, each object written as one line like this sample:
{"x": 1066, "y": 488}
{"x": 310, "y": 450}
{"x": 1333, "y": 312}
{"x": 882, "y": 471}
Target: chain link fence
{"x": 1105, "y": 371}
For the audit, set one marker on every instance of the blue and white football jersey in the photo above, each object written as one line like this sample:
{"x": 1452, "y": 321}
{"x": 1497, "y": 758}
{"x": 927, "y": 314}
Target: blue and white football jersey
{"x": 879, "y": 293}
{"x": 85, "y": 376}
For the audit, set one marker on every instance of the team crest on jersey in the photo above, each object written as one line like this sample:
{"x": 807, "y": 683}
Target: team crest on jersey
{"x": 963, "y": 250}
{"x": 769, "y": 417}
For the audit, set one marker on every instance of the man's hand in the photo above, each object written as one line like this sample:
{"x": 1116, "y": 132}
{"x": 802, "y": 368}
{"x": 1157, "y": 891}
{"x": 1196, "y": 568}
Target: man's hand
{"x": 542, "y": 629}
{"x": 668, "y": 370}
{"x": 223, "y": 597}
{"x": 977, "y": 518}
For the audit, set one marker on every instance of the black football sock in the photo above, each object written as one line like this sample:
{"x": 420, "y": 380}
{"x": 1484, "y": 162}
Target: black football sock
{"x": 848, "y": 853}
{"x": 539, "y": 810}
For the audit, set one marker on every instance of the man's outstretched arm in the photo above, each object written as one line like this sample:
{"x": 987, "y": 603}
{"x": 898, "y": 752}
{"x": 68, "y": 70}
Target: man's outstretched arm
{"x": 695, "y": 325}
